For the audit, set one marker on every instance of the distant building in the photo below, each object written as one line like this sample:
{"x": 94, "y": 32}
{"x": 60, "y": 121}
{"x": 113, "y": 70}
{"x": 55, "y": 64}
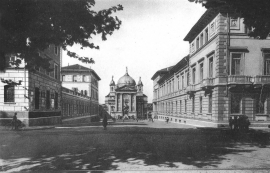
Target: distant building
{"x": 37, "y": 97}
{"x": 84, "y": 82}
{"x": 126, "y": 98}
{"x": 226, "y": 74}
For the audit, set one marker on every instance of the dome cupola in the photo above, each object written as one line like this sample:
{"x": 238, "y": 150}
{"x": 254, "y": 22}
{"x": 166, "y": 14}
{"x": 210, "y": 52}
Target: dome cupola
{"x": 140, "y": 82}
{"x": 112, "y": 82}
{"x": 126, "y": 80}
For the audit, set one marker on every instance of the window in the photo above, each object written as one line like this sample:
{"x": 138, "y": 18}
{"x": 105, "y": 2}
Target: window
{"x": 55, "y": 71}
{"x": 185, "y": 105}
{"x": 206, "y": 35}
{"x": 193, "y": 75}
{"x": 36, "y": 98}
{"x": 192, "y": 47}
{"x": 201, "y": 71}
{"x": 210, "y": 104}
{"x": 178, "y": 83}
{"x": 212, "y": 28}
{"x": 48, "y": 99}
{"x": 180, "y": 105}
{"x": 266, "y": 63}
{"x": 85, "y": 92}
{"x": 235, "y": 103}
{"x": 56, "y": 50}
{"x": 9, "y": 93}
{"x": 200, "y": 104}
{"x": 193, "y": 104}
{"x": 235, "y": 65}
{"x": 197, "y": 43}
{"x": 74, "y": 78}
{"x": 172, "y": 85}
{"x": 63, "y": 78}
{"x": 175, "y": 106}
{"x": 183, "y": 81}
{"x": 56, "y": 100}
{"x": 201, "y": 40}
{"x": 210, "y": 67}
{"x": 187, "y": 79}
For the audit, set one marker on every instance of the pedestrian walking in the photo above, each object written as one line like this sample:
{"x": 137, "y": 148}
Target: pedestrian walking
{"x": 14, "y": 121}
{"x": 105, "y": 122}
{"x": 231, "y": 123}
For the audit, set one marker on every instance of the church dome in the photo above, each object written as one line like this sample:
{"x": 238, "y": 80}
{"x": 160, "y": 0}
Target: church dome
{"x": 126, "y": 80}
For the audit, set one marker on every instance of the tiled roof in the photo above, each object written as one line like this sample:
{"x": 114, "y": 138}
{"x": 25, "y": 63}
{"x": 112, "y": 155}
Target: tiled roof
{"x": 79, "y": 68}
{"x": 181, "y": 64}
{"x": 162, "y": 71}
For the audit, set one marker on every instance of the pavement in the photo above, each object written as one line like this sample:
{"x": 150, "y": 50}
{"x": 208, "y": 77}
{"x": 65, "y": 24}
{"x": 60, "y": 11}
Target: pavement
{"x": 120, "y": 123}
{"x": 133, "y": 146}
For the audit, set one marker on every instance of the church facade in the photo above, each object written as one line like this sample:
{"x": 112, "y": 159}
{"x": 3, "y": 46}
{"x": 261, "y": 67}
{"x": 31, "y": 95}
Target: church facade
{"x": 126, "y": 99}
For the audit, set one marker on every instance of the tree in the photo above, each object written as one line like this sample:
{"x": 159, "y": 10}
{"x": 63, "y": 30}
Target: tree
{"x": 256, "y": 13}
{"x": 28, "y": 27}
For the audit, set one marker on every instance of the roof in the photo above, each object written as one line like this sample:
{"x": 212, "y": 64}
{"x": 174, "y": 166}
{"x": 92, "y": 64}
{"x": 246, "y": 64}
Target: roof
{"x": 79, "y": 68}
{"x": 181, "y": 64}
{"x": 205, "y": 19}
{"x": 162, "y": 71}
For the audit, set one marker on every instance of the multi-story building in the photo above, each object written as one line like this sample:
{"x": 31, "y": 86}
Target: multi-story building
{"x": 227, "y": 73}
{"x": 126, "y": 98}
{"x": 83, "y": 81}
{"x": 35, "y": 94}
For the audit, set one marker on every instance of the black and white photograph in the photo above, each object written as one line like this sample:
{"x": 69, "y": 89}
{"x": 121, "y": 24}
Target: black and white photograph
{"x": 135, "y": 86}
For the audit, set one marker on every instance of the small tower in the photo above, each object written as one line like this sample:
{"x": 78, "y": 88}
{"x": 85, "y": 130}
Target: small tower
{"x": 112, "y": 85}
{"x": 140, "y": 86}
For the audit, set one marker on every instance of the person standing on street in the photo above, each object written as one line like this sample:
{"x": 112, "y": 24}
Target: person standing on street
{"x": 14, "y": 121}
{"x": 105, "y": 122}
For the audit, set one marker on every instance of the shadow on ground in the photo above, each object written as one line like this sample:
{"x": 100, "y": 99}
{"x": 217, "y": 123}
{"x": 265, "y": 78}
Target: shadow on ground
{"x": 97, "y": 149}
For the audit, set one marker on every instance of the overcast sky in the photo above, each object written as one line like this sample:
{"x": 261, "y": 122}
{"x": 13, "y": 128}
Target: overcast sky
{"x": 150, "y": 38}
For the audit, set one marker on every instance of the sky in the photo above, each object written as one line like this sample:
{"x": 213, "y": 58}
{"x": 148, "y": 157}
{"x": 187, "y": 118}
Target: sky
{"x": 149, "y": 39}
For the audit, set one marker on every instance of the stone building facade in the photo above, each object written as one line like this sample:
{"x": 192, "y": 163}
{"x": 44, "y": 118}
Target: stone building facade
{"x": 226, "y": 74}
{"x": 37, "y": 95}
{"x": 84, "y": 82}
{"x": 126, "y": 98}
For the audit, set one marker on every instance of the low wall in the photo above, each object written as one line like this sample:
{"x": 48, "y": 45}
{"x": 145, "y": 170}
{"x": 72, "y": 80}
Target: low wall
{"x": 193, "y": 122}
{"x": 32, "y": 118}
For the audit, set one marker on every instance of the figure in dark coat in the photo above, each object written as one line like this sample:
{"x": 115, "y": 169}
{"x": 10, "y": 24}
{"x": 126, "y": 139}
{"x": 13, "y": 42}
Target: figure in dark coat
{"x": 14, "y": 121}
{"x": 231, "y": 123}
{"x": 105, "y": 122}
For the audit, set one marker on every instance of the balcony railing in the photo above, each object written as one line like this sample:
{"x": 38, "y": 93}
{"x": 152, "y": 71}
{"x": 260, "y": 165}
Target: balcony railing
{"x": 239, "y": 79}
{"x": 190, "y": 89}
{"x": 206, "y": 83}
{"x": 262, "y": 79}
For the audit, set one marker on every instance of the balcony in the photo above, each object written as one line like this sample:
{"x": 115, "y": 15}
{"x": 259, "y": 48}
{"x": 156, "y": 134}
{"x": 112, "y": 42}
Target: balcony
{"x": 239, "y": 80}
{"x": 262, "y": 80}
{"x": 207, "y": 84}
{"x": 190, "y": 90}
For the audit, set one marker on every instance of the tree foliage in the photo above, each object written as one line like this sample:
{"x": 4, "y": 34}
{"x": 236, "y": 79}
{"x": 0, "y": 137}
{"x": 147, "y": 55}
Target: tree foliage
{"x": 28, "y": 27}
{"x": 256, "y": 13}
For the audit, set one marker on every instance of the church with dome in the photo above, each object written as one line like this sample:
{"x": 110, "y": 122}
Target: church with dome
{"x": 126, "y": 98}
